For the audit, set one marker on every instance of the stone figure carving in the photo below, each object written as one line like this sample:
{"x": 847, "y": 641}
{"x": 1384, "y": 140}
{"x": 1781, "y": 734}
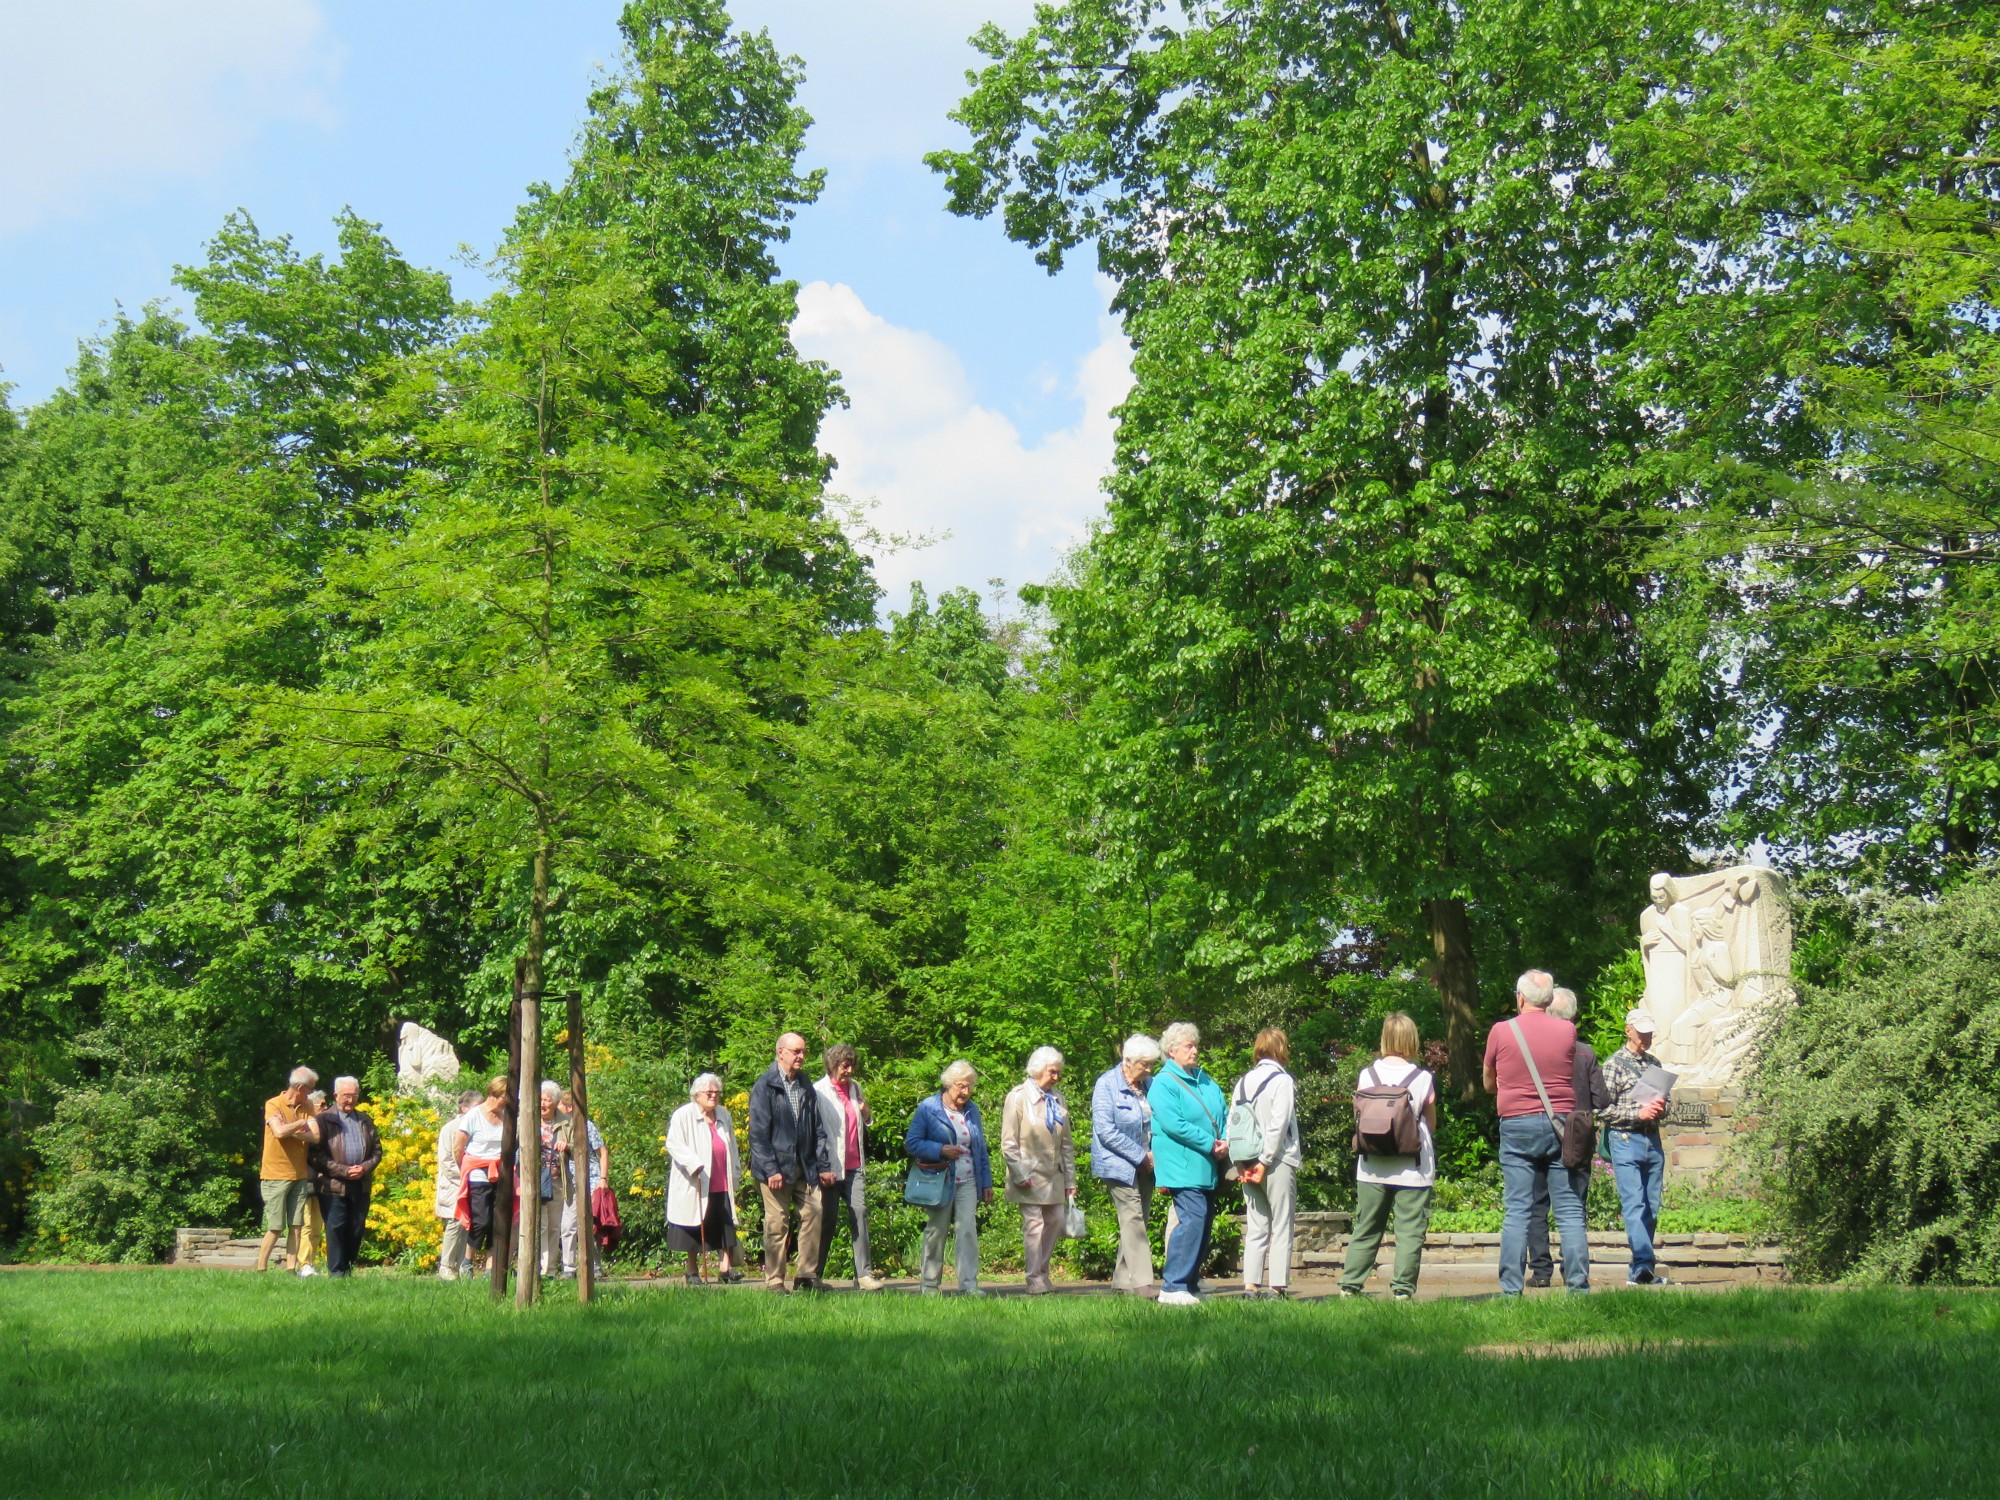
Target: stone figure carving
{"x": 1718, "y": 952}
{"x": 423, "y": 1056}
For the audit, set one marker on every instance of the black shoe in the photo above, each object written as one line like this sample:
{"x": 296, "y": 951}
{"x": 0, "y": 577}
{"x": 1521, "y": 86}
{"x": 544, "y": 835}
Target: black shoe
{"x": 1539, "y": 1280}
{"x": 694, "y": 1280}
{"x": 731, "y": 1277}
{"x": 805, "y": 1284}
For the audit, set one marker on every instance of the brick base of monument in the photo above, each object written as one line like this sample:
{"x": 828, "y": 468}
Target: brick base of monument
{"x": 1700, "y": 1133}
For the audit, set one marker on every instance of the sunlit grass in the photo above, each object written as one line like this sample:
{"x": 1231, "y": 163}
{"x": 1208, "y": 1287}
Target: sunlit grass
{"x": 196, "y": 1384}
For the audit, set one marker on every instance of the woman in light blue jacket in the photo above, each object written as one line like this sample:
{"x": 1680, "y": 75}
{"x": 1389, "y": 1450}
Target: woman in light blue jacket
{"x": 1121, "y": 1156}
{"x": 946, "y": 1135}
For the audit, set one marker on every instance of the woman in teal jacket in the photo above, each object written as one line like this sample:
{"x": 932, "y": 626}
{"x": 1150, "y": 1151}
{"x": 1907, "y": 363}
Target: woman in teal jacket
{"x": 1188, "y": 1153}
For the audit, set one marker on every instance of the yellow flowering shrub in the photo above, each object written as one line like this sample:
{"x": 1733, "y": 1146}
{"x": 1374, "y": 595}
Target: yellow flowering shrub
{"x": 403, "y": 1225}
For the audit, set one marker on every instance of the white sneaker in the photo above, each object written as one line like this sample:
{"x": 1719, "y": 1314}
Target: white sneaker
{"x": 446, "y": 1273}
{"x": 870, "y": 1284}
{"x": 307, "y": 1271}
{"x": 1178, "y": 1299}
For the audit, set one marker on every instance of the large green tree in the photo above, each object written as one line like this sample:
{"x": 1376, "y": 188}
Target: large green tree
{"x": 1823, "y": 203}
{"x": 181, "y": 899}
{"x": 580, "y": 623}
{"x": 1366, "y": 611}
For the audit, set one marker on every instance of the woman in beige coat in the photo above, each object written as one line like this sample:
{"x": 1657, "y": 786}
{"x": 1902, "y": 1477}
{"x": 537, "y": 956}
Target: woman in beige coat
{"x": 1041, "y": 1161}
{"x": 703, "y": 1170}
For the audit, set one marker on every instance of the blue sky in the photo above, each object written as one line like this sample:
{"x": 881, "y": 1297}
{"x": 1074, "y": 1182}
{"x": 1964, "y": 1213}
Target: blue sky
{"x": 980, "y": 386}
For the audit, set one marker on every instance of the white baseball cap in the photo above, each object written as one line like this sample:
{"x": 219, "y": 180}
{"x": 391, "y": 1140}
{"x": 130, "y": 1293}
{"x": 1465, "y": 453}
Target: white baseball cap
{"x": 1641, "y": 1021}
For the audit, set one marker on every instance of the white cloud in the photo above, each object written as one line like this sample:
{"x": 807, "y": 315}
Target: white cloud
{"x": 906, "y": 58}
{"x": 114, "y": 99}
{"x": 931, "y": 459}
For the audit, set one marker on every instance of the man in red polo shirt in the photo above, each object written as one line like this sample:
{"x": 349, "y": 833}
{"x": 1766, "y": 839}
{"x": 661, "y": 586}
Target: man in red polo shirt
{"x": 1530, "y": 1142}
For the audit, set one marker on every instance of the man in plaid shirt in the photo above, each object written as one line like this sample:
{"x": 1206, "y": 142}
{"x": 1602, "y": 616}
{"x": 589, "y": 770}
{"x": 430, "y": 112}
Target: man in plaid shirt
{"x": 1638, "y": 1162}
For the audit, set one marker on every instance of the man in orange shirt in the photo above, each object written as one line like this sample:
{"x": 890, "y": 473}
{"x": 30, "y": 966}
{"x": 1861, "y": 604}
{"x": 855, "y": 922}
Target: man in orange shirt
{"x": 285, "y": 1178}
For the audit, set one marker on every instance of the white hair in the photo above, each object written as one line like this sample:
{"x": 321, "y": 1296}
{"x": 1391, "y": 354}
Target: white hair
{"x": 1179, "y": 1032}
{"x": 1536, "y": 988}
{"x": 303, "y": 1077}
{"x": 956, "y": 1071}
{"x": 551, "y": 1089}
{"x": 1141, "y": 1048}
{"x": 705, "y": 1081}
{"x": 1041, "y": 1059}
{"x": 347, "y": 1080}
{"x": 1563, "y": 1007}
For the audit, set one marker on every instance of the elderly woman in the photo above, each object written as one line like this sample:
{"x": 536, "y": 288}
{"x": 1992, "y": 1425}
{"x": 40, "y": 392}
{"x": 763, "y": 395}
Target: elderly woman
{"x": 1189, "y": 1149}
{"x": 1041, "y": 1161}
{"x": 452, "y": 1255}
{"x": 947, "y": 1137}
{"x": 1270, "y": 1182}
{"x": 703, "y": 1169}
{"x": 1121, "y": 1155}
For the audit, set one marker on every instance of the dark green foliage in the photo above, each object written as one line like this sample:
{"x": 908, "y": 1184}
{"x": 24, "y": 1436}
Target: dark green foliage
{"x": 1880, "y": 1123}
{"x": 131, "y": 1157}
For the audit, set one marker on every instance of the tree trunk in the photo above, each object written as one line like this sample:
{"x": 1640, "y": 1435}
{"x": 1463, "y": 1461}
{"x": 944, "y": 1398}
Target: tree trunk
{"x": 1457, "y": 980}
{"x": 527, "y": 1281}
{"x": 580, "y": 1152}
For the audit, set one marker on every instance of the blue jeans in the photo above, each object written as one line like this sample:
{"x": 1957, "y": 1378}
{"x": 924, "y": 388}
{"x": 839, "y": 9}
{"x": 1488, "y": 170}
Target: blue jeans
{"x": 1187, "y": 1250}
{"x": 1639, "y": 1164}
{"x": 1531, "y": 1149}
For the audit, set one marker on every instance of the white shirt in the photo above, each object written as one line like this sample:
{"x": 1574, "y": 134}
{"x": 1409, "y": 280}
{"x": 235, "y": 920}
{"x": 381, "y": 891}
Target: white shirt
{"x": 482, "y": 1138}
{"x": 1401, "y": 1171}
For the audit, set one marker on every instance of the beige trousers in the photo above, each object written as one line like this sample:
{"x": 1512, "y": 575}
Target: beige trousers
{"x": 1041, "y": 1229}
{"x": 805, "y": 1196}
{"x": 1134, "y": 1271}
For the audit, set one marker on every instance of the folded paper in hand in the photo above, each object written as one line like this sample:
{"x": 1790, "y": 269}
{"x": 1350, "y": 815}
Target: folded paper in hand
{"x": 1655, "y": 1083}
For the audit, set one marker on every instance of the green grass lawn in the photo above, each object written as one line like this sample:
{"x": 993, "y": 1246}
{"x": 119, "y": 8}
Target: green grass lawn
{"x": 221, "y": 1384}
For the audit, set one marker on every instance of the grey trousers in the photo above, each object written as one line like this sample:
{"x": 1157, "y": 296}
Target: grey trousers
{"x": 1134, "y": 1270}
{"x": 1270, "y": 1210}
{"x": 959, "y": 1212}
{"x": 568, "y": 1240}
{"x": 850, "y": 1193}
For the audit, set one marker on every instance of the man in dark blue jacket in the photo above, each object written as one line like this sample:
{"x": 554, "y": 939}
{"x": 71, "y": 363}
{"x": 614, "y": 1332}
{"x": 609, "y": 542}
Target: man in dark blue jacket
{"x": 791, "y": 1159}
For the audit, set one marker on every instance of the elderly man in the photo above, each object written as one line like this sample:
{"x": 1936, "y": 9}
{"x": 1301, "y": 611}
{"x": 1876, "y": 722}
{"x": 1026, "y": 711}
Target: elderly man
{"x": 1530, "y": 1067}
{"x": 1638, "y": 1162}
{"x": 1587, "y": 1084}
{"x": 791, "y": 1159}
{"x": 349, "y": 1152}
{"x": 844, "y": 1118}
{"x": 285, "y": 1176}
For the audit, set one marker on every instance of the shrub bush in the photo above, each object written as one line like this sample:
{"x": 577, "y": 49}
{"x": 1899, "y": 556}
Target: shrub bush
{"x": 1879, "y": 1140}
{"x": 127, "y": 1162}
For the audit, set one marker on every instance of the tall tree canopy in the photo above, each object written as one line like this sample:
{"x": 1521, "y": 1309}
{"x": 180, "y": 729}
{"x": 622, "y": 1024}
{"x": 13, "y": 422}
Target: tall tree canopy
{"x": 1366, "y": 609}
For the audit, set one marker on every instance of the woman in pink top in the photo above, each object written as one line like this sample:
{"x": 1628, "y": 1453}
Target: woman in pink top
{"x": 702, "y": 1172}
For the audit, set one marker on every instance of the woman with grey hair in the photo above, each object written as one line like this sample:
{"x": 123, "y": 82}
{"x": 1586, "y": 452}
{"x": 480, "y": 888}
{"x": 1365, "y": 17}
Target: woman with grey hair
{"x": 1041, "y": 1161}
{"x": 702, "y": 1172}
{"x": 950, "y": 1175}
{"x": 1121, "y": 1155}
{"x": 1190, "y": 1150}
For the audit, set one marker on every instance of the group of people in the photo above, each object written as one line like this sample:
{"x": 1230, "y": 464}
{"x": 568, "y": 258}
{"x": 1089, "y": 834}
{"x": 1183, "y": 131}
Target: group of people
{"x": 1160, "y": 1126}
{"x": 316, "y": 1172}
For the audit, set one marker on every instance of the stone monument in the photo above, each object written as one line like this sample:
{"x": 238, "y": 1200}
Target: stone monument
{"x": 1718, "y": 954}
{"x": 423, "y": 1057}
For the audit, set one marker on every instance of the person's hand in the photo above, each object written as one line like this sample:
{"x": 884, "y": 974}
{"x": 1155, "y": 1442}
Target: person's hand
{"x": 775, "y": 1181}
{"x": 826, "y": 1179}
{"x": 1652, "y": 1109}
{"x": 1220, "y": 1148}
{"x": 986, "y": 1195}
{"x": 1149, "y": 1161}
{"x": 951, "y": 1153}
{"x": 1027, "y": 1182}
{"x": 1252, "y": 1173}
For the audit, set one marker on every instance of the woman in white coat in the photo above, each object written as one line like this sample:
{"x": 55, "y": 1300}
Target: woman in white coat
{"x": 702, "y": 1172}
